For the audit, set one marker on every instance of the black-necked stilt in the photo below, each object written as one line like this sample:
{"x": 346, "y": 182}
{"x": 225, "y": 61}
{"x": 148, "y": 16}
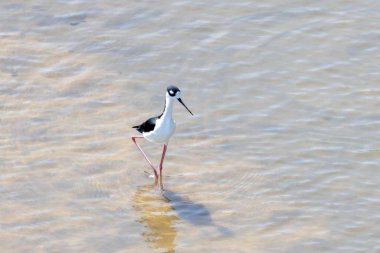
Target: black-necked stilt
{"x": 159, "y": 129}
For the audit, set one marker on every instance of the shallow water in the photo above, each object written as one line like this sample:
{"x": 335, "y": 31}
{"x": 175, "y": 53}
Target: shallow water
{"x": 282, "y": 154}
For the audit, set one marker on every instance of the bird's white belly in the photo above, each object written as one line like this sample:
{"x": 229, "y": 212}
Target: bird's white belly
{"x": 162, "y": 131}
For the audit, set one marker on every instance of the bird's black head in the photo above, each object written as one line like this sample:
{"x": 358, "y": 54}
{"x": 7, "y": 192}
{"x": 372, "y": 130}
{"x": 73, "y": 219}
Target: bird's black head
{"x": 174, "y": 93}
{"x": 173, "y": 90}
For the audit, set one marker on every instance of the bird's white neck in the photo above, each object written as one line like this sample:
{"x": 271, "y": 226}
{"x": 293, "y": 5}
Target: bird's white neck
{"x": 168, "y": 111}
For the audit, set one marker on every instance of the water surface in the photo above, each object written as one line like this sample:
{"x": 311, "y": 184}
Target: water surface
{"x": 282, "y": 154}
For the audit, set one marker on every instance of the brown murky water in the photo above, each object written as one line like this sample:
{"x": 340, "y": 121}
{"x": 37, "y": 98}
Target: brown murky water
{"x": 282, "y": 155}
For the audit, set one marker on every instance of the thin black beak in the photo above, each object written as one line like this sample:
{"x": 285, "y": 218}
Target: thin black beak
{"x": 180, "y": 100}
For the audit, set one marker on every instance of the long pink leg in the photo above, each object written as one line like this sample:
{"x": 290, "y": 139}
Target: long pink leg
{"x": 142, "y": 152}
{"x": 161, "y": 187}
{"x": 162, "y": 159}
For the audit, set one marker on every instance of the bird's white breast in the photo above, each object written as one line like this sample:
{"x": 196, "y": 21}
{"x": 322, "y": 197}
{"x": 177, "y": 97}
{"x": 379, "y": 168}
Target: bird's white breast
{"x": 164, "y": 129}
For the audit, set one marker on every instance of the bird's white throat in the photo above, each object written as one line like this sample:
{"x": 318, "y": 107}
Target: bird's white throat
{"x": 168, "y": 111}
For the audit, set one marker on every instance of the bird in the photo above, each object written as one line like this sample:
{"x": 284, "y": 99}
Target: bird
{"x": 160, "y": 129}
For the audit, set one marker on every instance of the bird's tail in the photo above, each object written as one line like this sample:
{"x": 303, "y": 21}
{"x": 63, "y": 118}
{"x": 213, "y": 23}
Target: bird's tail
{"x": 138, "y": 128}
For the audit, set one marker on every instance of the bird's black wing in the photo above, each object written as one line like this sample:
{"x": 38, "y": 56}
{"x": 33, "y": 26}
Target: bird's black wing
{"x": 147, "y": 126}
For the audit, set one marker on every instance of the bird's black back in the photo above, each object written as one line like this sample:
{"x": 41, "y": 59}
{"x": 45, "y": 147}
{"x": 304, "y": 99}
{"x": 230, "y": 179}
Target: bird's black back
{"x": 148, "y": 125}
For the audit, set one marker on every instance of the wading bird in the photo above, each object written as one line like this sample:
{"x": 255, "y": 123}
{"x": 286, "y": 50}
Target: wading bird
{"x": 159, "y": 129}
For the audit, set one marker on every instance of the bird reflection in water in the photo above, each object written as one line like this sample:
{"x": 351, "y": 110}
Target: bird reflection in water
{"x": 157, "y": 215}
{"x": 160, "y": 210}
